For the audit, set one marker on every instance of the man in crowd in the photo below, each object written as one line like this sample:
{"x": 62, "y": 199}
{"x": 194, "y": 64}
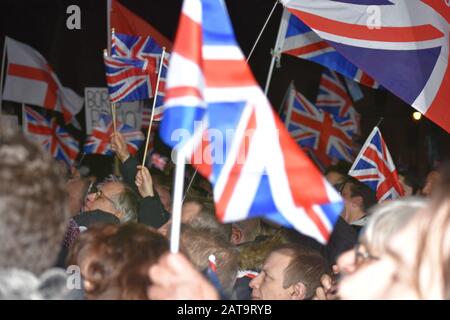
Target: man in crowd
{"x": 337, "y": 174}
{"x": 201, "y": 243}
{"x": 289, "y": 273}
{"x": 358, "y": 198}
{"x": 150, "y": 211}
{"x": 112, "y": 202}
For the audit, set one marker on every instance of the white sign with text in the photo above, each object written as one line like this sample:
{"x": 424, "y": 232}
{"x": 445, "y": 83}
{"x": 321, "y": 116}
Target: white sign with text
{"x": 97, "y": 102}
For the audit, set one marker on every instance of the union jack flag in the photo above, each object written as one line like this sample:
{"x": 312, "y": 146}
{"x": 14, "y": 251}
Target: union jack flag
{"x": 314, "y": 129}
{"x": 333, "y": 98}
{"x": 129, "y": 79}
{"x": 298, "y": 40}
{"x": 99, "y": 142}
{"x": 259, "y": 170}
{"x": 144, "y": 48}
{"x": 54, "y": 139}
{"x": 375, "y": 168}
{"x": 406, "y": 51}
{"x": 158, "y": 161}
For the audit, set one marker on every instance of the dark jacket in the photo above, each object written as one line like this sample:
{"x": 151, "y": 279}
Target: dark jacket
{"x": 86, "y": 219}
{"x": 343, "y": 238}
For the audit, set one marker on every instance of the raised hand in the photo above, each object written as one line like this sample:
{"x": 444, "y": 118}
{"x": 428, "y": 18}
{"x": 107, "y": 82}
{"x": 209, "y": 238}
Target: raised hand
{"x": 144, "y": 182}
{"x": 119, "y": 146}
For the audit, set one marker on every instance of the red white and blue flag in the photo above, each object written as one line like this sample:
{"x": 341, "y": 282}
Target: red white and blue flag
{"x": 402, "y": 44}
{"x": 54, "y": 139}
{"x": 317, "y": 130}
{"x": 333, "y": 98}
{"x": 257, "y": 170}
{"x": 298, "y": 40}
{"x": 144, "y": 48}
{"x": 375, "y": 168}
{"x": 158, "y": 161}
{"x": 99, "y": 142}
{"x": 129, "y": 79}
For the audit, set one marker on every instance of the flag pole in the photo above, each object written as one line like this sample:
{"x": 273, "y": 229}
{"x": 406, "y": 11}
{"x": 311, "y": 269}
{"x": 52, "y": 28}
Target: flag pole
{"x": 190, "y": 184}
{"x": 379, "y": 122}
{"x": 24, "y": 118}
{"x": 153, "y": 107}
{"x": 277, "y": 48}
{"x": 289, "y": 109}
{"x": 113, "y": 113}
{"x": 1, "y": 76}
{"x": 112, "y": 104}
{"x": 286, "y": 94}
{"x": 108, "y": 25}
{"x": 262, "y": 30}
{"x": 177, "y": 200}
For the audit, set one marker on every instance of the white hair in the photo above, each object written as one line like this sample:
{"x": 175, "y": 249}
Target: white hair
{"x": 386, "y": 219}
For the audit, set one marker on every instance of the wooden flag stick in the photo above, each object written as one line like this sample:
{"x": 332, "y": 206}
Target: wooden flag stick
{"x": 113, "y": 105}
{"x": 113, "y": 113}
{"x": 190, "y": 184}
{"x": 153, "y": 107}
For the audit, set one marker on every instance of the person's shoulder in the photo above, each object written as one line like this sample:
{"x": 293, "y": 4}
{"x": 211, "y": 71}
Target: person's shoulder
{"x": 88, "y": 218}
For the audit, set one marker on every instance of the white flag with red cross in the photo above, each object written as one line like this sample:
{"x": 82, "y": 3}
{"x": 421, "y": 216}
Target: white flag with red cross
{"x": 30, "y": 80}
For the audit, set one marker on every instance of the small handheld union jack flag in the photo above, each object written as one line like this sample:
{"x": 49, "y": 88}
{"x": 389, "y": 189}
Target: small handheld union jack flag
{"x": 144, "y": 48}
{"x": 375, "y": 168}
{"x": 99, "y": 140}
{"x": 54, "y": 139}
{"x": 129, "y": 79}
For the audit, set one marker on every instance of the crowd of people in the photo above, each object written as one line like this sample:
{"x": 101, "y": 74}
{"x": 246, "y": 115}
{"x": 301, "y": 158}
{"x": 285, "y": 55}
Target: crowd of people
{"x": 73, "y": 236}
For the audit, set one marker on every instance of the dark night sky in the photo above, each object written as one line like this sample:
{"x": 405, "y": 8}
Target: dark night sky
{"x": 76, "y": 56}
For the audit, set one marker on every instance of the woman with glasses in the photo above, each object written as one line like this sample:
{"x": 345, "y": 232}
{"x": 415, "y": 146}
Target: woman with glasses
{"x": 385, "y": 221}
{"x": 415, "y": 261}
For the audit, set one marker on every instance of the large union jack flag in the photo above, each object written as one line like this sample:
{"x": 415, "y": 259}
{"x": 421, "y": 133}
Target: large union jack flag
{"x": 314, "y": 129}
{"x": 298, "y": 40}
{"x": 99, "y": 142}
{"x": 54, "y": 139}
{"x": 333, "y": 98}
{"x": 403, "y": 44}
{"x": 258, "y": 170}
{"x": 144, "y": 48}
{"x": 375, "y": 168}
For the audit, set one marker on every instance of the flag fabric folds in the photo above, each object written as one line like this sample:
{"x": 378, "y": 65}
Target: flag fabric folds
{"x": 375, "y": 168}
{"x": 129, "y": 79}
{"x": 317, "y": 130}
{"x": 57, "y": 141}
{"x": 406, "y": 50}
{"x": 144, "y": 48}
{"x": 298, "y": 40}
{"x": 30, "y": 79}
{"x": 215, "y": 110}
{"x": 333, "y": 98}
{"x": 125, "y": 21}
{"x": 99, "y": 140}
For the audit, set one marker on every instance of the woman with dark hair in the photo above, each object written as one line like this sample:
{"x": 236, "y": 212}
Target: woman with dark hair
{"x": 114, "y": 260}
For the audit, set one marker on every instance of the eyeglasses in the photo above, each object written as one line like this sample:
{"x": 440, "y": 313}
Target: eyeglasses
{"x": 339, "y": 187}
{"x": 362, "y": 255}
{"x": 100, "y": 194}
